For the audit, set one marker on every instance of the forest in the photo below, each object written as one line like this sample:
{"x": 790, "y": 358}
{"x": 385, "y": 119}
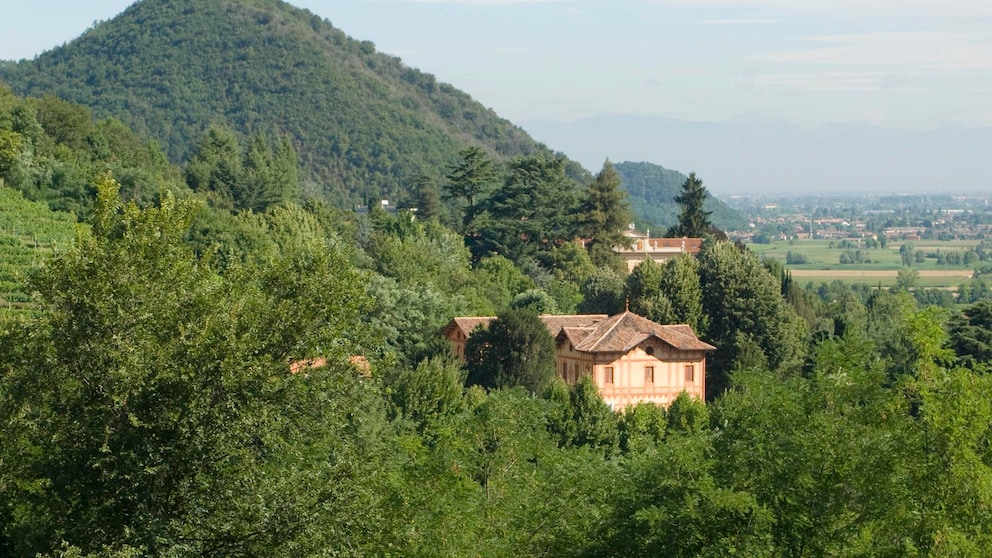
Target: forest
{"x": 212, "y": 363}
{"x": 363, "y": 124}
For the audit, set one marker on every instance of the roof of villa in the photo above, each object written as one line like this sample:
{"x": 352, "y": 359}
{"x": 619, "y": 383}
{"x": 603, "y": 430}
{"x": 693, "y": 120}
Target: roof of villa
{"x": 624, "y": 331}
{"x": 555, "y": 323}
{"x": 596, "y": 333}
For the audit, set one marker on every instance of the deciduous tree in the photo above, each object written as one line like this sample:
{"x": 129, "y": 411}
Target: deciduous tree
{"x": 153, "y": 406}
{"x": 745, "y": 307}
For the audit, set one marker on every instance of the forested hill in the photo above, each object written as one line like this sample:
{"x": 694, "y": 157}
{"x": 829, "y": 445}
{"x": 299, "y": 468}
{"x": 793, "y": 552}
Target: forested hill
{"x": 651, "y": 190}
{"x": 362, "y": 121}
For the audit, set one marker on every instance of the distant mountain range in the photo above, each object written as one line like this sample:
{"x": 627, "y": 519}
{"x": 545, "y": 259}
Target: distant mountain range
{"x": 760, "y": 155}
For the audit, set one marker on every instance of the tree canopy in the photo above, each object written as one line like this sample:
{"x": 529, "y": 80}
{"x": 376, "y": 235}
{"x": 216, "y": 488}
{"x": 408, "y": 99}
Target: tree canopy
{"x": 604, "y": 212}
{"x": 216, "y": 371}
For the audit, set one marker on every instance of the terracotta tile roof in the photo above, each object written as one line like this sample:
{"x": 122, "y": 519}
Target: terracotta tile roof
{"x": 298, "y": 366}
{"x": 361, "y": 365}
{"x": 467, "y": 324}
{"x": 358, "y": 362}
{"x": 682, "y": 337}
{"x": 575, "y": 335}
{"x": 622, "y": 332}
{"x": 595, "y": 333}
{"x": 554, "y": 323}
{"x": 557, "y": 323}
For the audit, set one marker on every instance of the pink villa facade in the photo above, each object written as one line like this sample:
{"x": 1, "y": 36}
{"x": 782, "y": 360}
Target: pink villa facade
{"x": 658, "y": 249}
{"x": 631, "y": 359}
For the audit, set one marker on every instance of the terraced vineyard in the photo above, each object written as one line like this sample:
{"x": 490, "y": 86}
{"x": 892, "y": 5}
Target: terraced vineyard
{"x": 29, "y": 233}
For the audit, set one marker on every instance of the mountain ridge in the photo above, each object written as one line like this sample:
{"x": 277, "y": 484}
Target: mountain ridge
{"x": 363, "y": 122}
{"x": 648, "y": 185}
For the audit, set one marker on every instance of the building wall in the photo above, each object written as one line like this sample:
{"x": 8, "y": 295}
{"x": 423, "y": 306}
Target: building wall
{"x": 631, "y": 382}
{"x": 658, "y": 249}
{"x": 634, "y": 258}
{"x": 458, "y": 340}
{"x": 573, "y": 364}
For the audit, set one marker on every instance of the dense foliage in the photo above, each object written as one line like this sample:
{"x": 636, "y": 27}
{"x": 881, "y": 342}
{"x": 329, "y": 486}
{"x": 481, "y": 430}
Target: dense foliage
{"x": 220, "y": 371}
{"x": 515, "y": 349}
{"x": 53, "y": 151}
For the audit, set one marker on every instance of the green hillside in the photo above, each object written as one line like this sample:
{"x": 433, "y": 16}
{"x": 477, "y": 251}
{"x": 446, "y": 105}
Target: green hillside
{"x": 651, "y": 190}
{"x": 362, "y": 122}
{"x": 29, "y": 232}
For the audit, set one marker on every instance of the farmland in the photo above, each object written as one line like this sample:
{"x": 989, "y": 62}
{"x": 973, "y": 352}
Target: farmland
{"x": 879, "y": 265}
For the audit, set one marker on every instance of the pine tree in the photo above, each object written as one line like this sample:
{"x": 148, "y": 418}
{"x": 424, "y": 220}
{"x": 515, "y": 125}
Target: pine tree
{"x": 471, "y": 180}
{"x": 427, "y": 200}
{"x": 694, "y": 221}
{"x": 604, "y": 211}
{"x": 533, "y": 210}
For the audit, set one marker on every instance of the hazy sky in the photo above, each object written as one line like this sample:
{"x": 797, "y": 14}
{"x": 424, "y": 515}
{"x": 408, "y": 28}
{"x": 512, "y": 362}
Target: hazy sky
{"x": 893, "y": 63}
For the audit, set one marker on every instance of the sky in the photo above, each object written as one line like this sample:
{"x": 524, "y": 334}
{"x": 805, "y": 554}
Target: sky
{"x": 903, "y": 64}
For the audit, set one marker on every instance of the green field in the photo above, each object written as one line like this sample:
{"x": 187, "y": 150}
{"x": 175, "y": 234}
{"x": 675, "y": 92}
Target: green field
{"x": 824, "y": 262}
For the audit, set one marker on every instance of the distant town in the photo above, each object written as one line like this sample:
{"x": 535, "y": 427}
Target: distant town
{"x": 882, "y": 218}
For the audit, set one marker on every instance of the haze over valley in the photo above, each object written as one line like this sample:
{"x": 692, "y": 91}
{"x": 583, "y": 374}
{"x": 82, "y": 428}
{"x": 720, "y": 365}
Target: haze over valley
{"x": 753, "y": 154}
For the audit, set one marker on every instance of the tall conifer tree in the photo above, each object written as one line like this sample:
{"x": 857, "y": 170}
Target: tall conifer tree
{"x": 605, "y": 212}
{"x": 694, "y": 221}
{"x": 471, "y": 180}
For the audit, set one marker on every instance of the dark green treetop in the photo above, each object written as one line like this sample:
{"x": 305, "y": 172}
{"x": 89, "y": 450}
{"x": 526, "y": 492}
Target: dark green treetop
{"x": 533, "y": 210}
{"x": 515, "y": 350}
{"x": 604, "y": 212}
{"x": 694, "y": 221}
{"x": 469, "y": 181}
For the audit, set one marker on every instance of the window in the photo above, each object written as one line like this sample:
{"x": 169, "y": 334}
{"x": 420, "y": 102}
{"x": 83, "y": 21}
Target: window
{"x": 690, "y": 372}
{"x": 564, "y": 370}
{"x": 649, "y": 350}
{"x": 608, "y": 375}
{"x": 649, "y": 374}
